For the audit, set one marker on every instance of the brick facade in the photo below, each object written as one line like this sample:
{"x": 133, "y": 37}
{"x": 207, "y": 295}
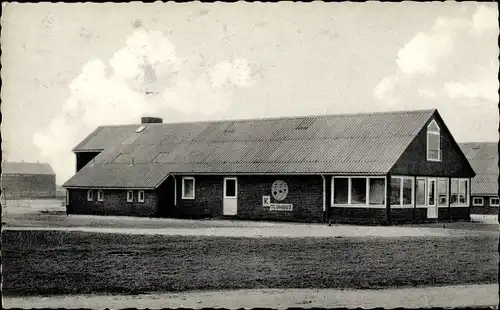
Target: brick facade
{"x": 114, "y": 203}
{"x": 486, "y": 208}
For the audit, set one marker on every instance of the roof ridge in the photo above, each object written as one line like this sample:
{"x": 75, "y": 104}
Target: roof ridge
{"x": 280, "y": 117}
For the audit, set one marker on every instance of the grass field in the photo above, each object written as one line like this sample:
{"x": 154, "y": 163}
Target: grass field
{"x": 45, "y": 262}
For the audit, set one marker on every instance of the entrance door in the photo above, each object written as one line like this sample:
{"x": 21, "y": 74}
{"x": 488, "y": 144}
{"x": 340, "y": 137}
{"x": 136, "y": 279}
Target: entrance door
{"x": 432, "y": 210}
{"x": 230, "y": 200}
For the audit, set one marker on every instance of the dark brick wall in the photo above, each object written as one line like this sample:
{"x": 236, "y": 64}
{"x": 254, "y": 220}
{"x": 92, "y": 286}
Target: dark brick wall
{"x": 414, "y": 159}
{"x": 358, "y": 215}
{"x": 115, "y": 203}
{"x": 28, "y": 186}
{"x": 208, "y": 197}
{"x": 304, "y": 192}
{"x": 83, "y": 158}
{"x": 459, "y": 214}
{"x": 486, "y": 208}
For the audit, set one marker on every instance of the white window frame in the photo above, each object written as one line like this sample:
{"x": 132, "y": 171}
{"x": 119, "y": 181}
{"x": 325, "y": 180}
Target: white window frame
{"x": 467, "y": 193}
{"x": 90, "y": 195}
{"x": 130, "y": 196}
{"x": 425, "y": 191}
{"x": 100, "y": 195}
{"x": 349, "y": 189}
{"x": 478, "y": 204}
{"x": 401, "y": 182}
{"x": 184, "y": 179}
{"x": 492, "y": 204}
{"x": 433, "y": 132}
{"x": 139, "y": 198}
{"x": 447, "y": 192}
{"x": 235, "y": 188}
{"x": 67, "y": 197}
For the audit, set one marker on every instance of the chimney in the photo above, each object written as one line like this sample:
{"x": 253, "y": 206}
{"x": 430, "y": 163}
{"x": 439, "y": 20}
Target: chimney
{"x": 151, "y": 120}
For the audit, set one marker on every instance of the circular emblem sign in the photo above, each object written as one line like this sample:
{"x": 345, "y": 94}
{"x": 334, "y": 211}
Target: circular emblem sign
{"x": 279, "y": 190}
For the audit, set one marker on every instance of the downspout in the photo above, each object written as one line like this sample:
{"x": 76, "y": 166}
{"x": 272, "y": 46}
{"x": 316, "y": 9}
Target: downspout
{"x": 324, "y": 199}
{"x": 175, "y": 189}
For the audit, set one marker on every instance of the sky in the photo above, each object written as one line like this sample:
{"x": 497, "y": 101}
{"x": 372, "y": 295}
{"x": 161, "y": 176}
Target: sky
{"x": 69, "y": 68}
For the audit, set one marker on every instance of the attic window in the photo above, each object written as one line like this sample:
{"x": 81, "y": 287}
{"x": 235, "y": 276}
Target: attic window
{"x": 230, "y": 129}
{"x": 433, "y": 142}
{"x": 305, "y": 124}
{"x": 140, "y": 129}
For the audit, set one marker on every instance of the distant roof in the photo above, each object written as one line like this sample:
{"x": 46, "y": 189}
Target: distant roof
{"x": 26, "y": 168}
{"x": 483, "y": 157}
{"x": 364, "y": 143}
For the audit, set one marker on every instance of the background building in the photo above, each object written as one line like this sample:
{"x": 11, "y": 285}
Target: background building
{"x": 483, "y": 157}
{"x": 372, "y": 167}
{"x": 22, "y": 180}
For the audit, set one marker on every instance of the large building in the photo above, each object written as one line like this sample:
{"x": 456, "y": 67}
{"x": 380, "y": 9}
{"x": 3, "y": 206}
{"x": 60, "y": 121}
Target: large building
{"x": 483, "y": 157}
{"x": 375, "y": 168}
{"x": 22, "y": 180}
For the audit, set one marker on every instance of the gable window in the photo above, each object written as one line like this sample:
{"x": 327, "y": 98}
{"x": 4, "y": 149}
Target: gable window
{"x": 187, "y": 188}
{"x": 90, "y": 195}
{"x": 140, "y": 196}
{"x": 494, "y": 202}
{"x": 459, "y": 191}
{"x": 477, "y": 201}
{"x": 130, "y": 196}
{"x": 100, "y": 195}
{"x": 433, "y": 142}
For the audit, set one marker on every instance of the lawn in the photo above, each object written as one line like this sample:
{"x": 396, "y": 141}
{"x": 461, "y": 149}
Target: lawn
{"x": 44, "y": 262}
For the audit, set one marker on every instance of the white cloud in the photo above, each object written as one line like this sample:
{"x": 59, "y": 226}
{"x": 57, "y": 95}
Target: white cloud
{"x": 146, "y": 77}
{"x": 423, "y": 53}
{"x": 485, "y": 18}
{"x": 385, "y": 89}
{"x": 486, "y": 90}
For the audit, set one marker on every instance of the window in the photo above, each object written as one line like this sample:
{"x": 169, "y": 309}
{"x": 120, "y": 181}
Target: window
{"x": 407, "y": 191}
{"x": 340, "y": 191}
{"x": 140, "y": 196}
{"x": 431, "y": 192}
{"x": 230, "y": 188}
{"x": 459, "y": 191}
{"x": 358, "y": 191}
{"x": 494, "y": 202}
{"x": 187, "y": 188}
{"x": 376, "y": 191}
{"x": 140, "y": 129}
{"x": 67, "y": 197}
{"x": 100, "y": 195}
{"x": 130, "y": 196}
{"x": 90, "y": 195}
{"x": 401, "y": 191}
{"x": 442, "y": 188}
{"x": 420, "y": 192}
{"x": 433, "y": 142}
{"x": 395, "y": 191}
{"x": 478, "y": 201}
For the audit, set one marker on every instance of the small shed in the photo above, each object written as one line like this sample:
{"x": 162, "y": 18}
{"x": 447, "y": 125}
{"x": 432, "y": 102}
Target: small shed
{"x": 21, "y": 180}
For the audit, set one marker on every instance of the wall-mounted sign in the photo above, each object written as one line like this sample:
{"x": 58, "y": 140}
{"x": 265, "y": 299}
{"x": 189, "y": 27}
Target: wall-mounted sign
{"x": 279, "y": 190}
{"x": 281, "y": 207}
{"x": 266, "y": 201}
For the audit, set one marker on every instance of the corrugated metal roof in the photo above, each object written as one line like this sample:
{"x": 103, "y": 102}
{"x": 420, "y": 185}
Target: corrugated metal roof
{"x": 483, "y": 157}
{"x": 26, "y": 168}
{"x": 367, "y": 143}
